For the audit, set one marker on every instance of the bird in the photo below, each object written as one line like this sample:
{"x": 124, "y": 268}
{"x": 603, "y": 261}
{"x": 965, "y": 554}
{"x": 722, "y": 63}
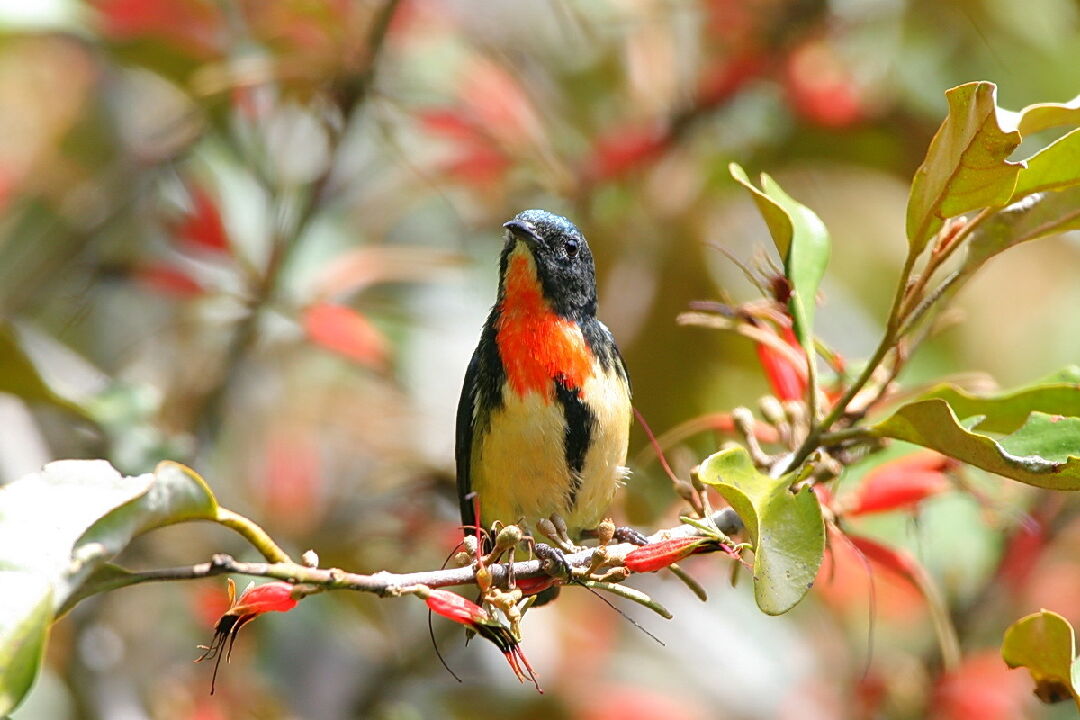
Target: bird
{"x": 544, "y": 416}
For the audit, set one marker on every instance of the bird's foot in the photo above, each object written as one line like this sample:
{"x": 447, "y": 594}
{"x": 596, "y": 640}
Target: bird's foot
{"x": 630, "y": 535}
{"x": 553, "y": 561}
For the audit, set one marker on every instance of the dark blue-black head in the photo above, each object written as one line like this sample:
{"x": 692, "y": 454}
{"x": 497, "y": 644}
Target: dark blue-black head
{"x": 564, "y": 262}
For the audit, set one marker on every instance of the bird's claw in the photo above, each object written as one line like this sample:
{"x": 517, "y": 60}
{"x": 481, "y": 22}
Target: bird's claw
{"x": 552, "y": 561}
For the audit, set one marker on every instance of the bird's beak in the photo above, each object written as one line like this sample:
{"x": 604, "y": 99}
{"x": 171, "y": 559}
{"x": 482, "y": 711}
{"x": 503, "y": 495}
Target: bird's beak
{"x": 523, "y": 230}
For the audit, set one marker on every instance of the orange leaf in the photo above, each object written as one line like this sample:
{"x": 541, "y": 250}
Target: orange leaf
{"x": 347, "y": 332}
{"x": 168, "y": 280}
{"x": 202, "y": 227}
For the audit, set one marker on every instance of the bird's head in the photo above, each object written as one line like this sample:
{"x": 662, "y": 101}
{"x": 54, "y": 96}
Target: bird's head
{"x": 561, "y": 257}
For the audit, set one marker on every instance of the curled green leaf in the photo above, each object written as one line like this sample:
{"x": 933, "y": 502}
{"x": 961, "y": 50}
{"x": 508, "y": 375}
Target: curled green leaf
{"x": 966, "y": 166}
{"x": 1041, "y": 116}
{"x": 59, "y": 528}
{"x": 1045, "y": 644}
{"x": 1005, "y": 412}
{"x": 1055, "y": 166}
{"x": 21, "y": 378}
{"x": 1044, "y": 452}
{"x": 1030, "y": 218}
{"x": 803, "y": 243}
{"x": 25, "y": 616}
{"x": 786, "y": 528}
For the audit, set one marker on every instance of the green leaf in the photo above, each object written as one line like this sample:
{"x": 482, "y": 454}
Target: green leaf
{"x": 803, "y": 243}
{"x": 1006, "y": 412}
{"x": 966, "y": 166}
{"x": 1045, "y": 644}
{"x": 1052, "y": 437}
{"x": 1041, "y": 116}
{"x": 1030, "y": 218}
{"x": 785, "y": 528}
{"x": 933, "y": 424}
{"x": 1055, "y": 166}
{"x": 25, "y": 613}
{"x": 775, "y": 216}
{"x": 804, "y": 264}
{"x": 19, "y": 377}
{"x": 60, "y": 526}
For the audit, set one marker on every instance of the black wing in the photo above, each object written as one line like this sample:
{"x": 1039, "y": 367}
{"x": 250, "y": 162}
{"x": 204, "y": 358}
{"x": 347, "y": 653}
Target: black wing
{"x": 463, "y": 435}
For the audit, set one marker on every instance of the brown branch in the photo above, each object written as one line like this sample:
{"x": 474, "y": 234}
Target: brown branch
{"x": 388, "y": 584}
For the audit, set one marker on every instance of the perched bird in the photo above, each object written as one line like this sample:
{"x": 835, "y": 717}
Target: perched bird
{"x": 544, "y": 415}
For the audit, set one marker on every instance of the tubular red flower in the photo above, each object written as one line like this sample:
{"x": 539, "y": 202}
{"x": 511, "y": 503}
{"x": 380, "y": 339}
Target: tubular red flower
{"x": 454, "y": 607}
{"x": 269, "y": 597}
{"x": 658, "y": 555}
{"x": 274, "y": 596}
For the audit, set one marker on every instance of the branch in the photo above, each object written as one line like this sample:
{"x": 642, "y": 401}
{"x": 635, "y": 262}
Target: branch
{"x": 388, "y": 584}
{"x": 349, "y": 94}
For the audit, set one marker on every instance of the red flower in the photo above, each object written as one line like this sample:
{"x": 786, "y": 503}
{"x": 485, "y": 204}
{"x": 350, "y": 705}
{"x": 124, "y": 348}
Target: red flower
{"x": 658, "y": 555}
{"x": 454, "y": 607}
{"x": 270, "y": 597}
{"x": 274, "y": 596}
{"x": 460, "y": 610}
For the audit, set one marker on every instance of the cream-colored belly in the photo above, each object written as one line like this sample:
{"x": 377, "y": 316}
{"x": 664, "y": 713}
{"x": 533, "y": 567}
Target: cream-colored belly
{"x": 519, "y": 468}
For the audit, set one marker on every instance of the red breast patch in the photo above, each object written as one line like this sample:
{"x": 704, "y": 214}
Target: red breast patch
{"x": 535, "y": 344}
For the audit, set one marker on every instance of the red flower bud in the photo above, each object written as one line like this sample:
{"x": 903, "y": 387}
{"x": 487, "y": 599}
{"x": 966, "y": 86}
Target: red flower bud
{"x": 658, "y": 555}
{"x": 454, "y": 607}
{"x": 532, "y": 586}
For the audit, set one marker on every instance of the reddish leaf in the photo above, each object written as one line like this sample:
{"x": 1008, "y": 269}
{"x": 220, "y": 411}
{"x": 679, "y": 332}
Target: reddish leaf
{"x": 638, "y": 702}
{"x": 897, "y": 492}
{"x": 893, "y": 559}
{"x": 721, "y": 81}
{"x": 499, "y": 103}
{"x": 787, "y": 380}
{"x": 450, "y": 123}
{"x": 821, "y": 88}
{"x": 289, "y": 488}
{"x": 622, "y": 150}
{"x": 191, "y": 24}
{"x": 902, "y": 483}
{"x": 981, "y": 687}
{"x": 345, "y": 331}
{"x": 1022, "y": 551}
{"x": 480, "y": 164}
{"x": 202, "y": 228}
{"x": 168, "y": 280}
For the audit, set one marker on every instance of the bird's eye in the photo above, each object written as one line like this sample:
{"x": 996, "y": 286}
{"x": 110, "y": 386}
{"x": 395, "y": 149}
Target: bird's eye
{"x": 571, "y": 246}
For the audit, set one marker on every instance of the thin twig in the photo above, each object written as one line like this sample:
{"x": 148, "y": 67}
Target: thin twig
{"x": 384, "y": 584}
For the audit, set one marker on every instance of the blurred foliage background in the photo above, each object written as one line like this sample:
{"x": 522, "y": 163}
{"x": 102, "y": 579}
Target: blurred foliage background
{"x": 260, "y": 238}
